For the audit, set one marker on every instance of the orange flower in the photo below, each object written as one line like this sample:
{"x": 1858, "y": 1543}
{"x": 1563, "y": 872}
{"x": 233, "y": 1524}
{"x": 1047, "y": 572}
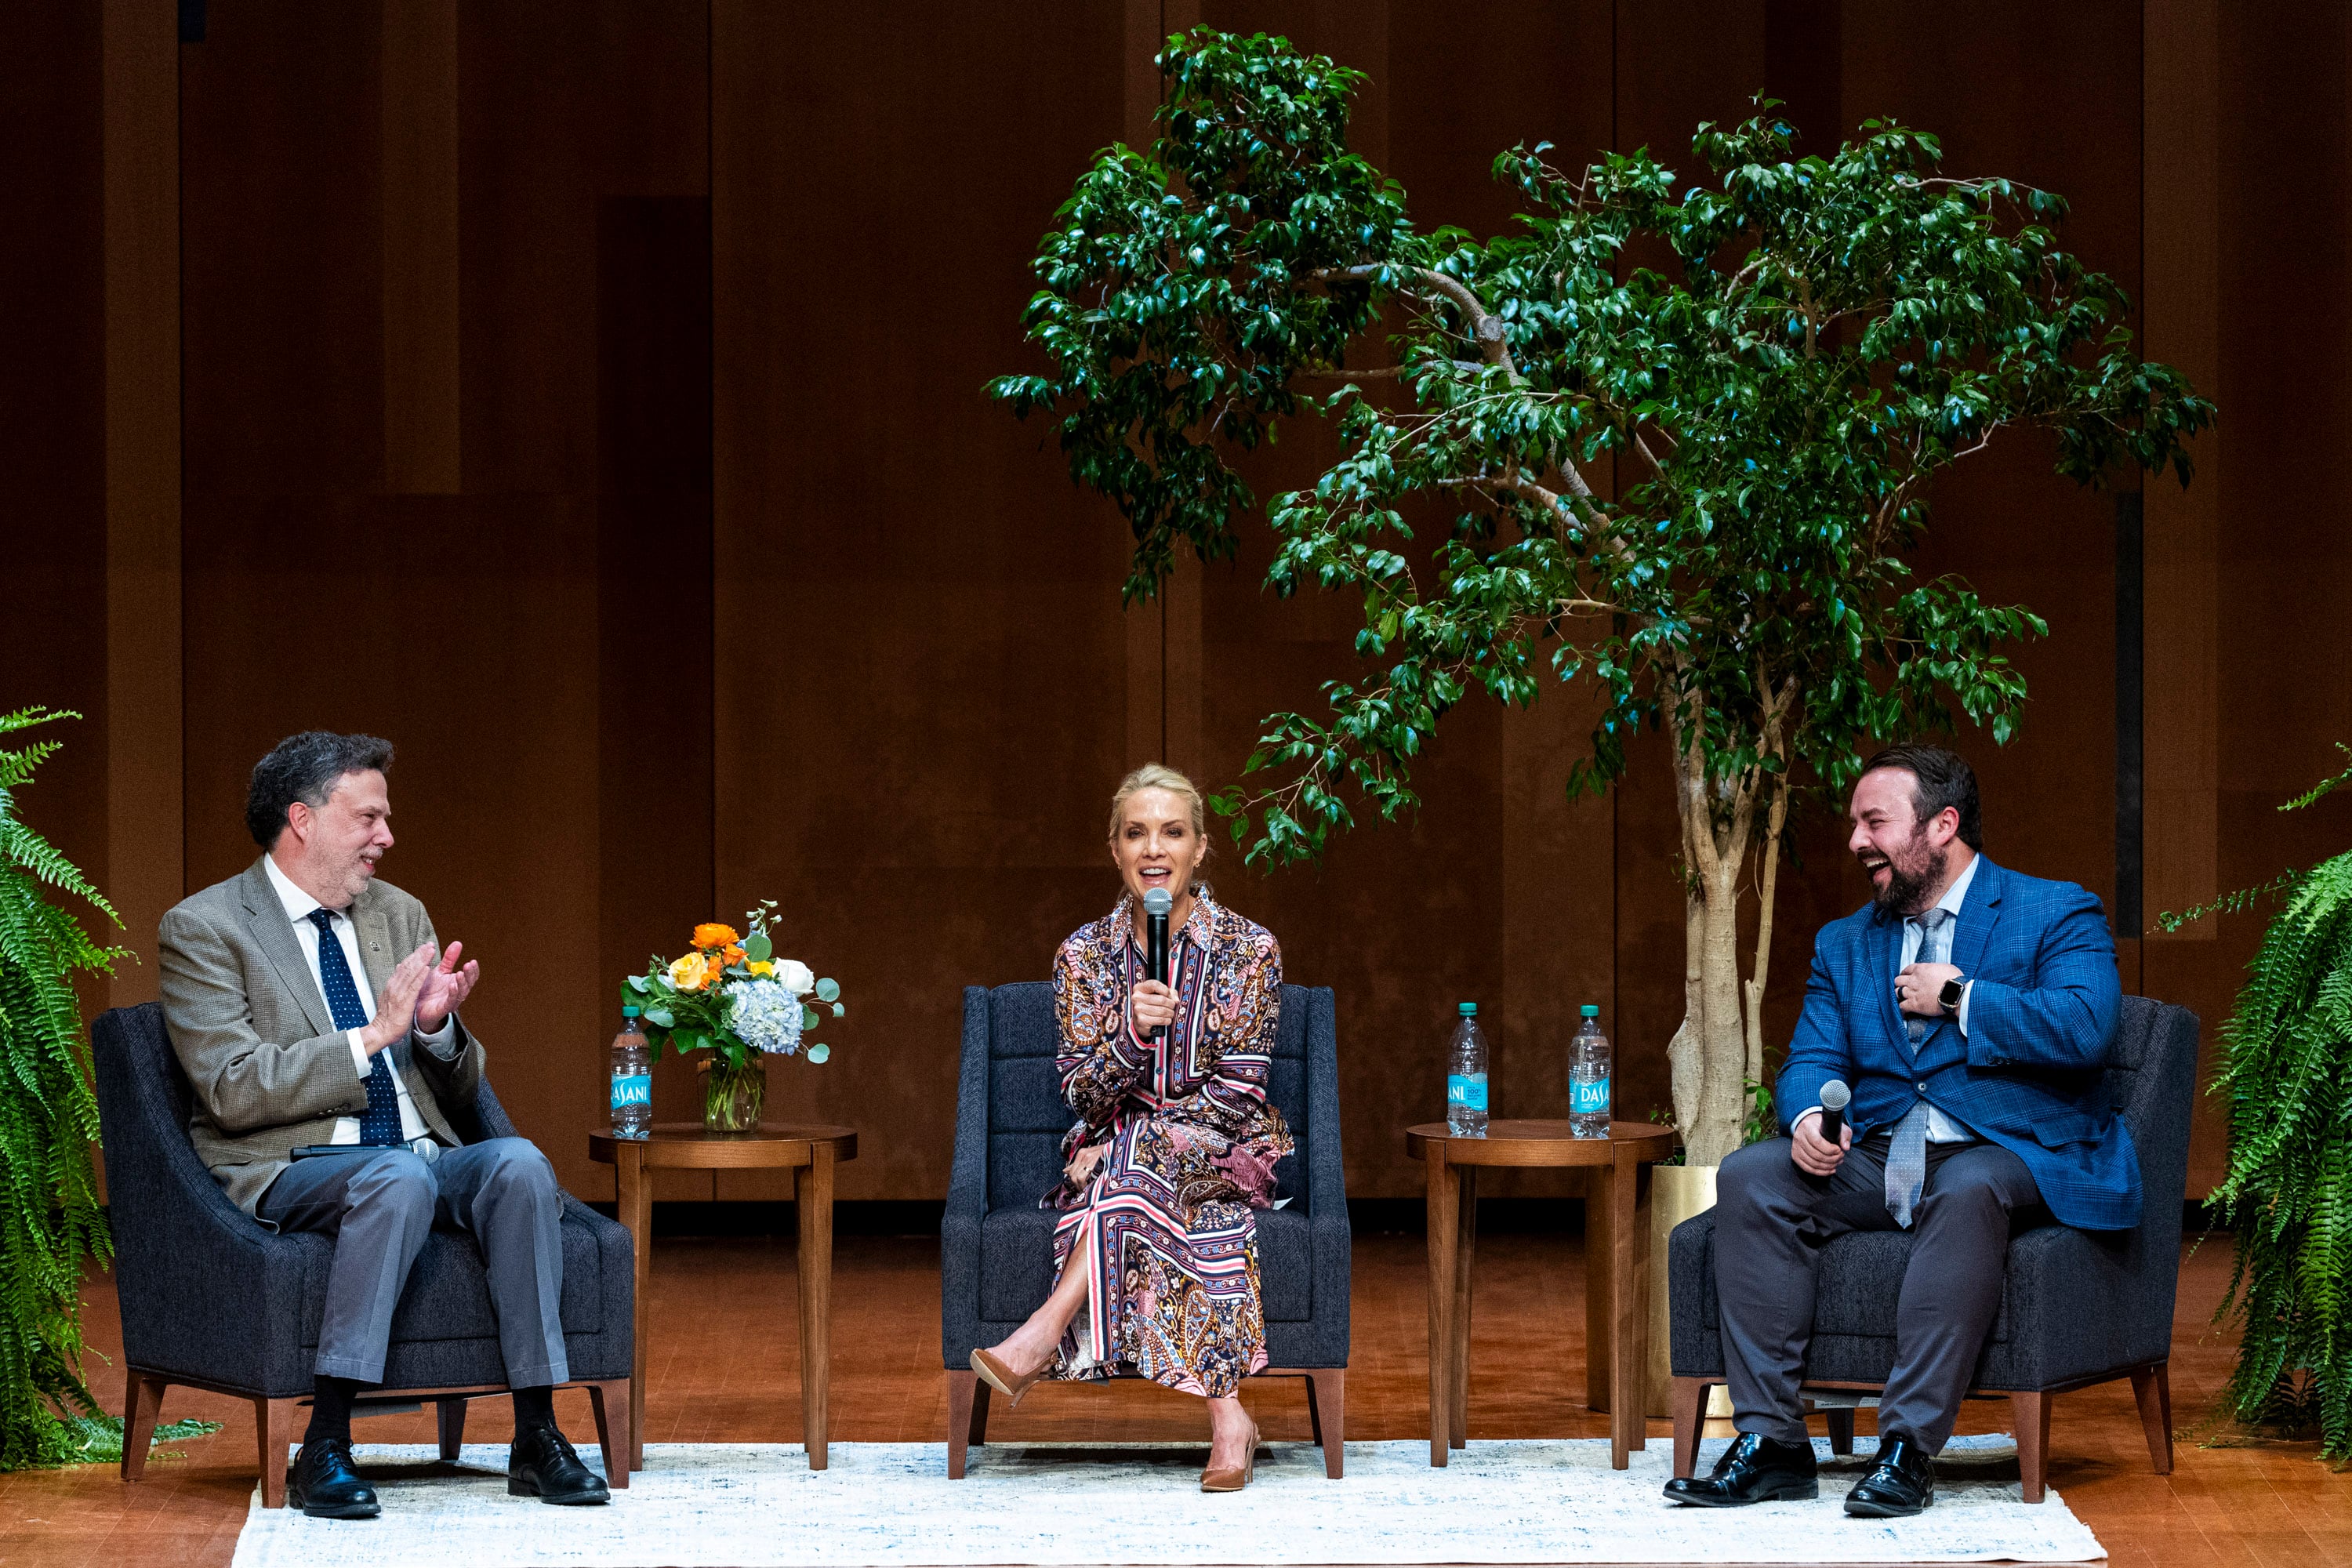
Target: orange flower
{"x": 714, "y": 935}
{"x": 690, "y": 973}
{"x": 730, "y": 956}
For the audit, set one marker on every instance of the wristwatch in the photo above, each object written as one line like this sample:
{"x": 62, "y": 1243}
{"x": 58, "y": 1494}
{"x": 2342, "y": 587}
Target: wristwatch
{"x": 1953, "y": 988}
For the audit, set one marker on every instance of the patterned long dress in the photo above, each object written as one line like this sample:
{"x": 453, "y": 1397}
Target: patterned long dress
{"x": 1165, "y": 1222}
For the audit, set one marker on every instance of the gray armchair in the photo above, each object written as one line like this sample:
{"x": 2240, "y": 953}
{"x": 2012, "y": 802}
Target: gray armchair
{"x": 996, "y": 1252}
{"x": 2078, "y": 1306}
{"x": 212, "y": 1299}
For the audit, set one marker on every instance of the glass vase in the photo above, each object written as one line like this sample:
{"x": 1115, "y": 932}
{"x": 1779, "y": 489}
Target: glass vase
{"x": 732, "y": 1096}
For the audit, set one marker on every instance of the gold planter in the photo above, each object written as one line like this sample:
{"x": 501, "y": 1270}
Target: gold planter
{"x": 733, "y": 1096}
{"x": 1676, "y": 1192}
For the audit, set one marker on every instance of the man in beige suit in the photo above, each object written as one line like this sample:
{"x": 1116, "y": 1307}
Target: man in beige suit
{"x": 316, "y": 1016}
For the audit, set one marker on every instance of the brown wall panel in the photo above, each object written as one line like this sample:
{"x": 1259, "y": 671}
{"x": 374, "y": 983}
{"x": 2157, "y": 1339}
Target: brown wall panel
{"x": 53, "y": 421}
{"x": 920, "y": 667}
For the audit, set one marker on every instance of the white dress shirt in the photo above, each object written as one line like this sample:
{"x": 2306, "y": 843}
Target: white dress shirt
{"x": 299, "y": 905}
{"x": 1942, "y": 1129}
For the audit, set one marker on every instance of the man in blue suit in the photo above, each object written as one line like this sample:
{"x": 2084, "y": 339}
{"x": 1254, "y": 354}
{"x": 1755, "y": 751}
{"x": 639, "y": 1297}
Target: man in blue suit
{"x": 1970, "y": 1010}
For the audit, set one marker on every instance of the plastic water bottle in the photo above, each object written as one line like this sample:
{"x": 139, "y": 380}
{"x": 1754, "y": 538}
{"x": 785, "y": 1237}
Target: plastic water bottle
{"x": 1465, "y": 1076}
{"x": 1588, "y": 1078}
{"x": 633, "y": 1078}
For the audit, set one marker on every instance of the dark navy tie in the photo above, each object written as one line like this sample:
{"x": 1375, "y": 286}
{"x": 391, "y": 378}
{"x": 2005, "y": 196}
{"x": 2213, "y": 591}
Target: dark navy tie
{"x": 382, "y": 1122}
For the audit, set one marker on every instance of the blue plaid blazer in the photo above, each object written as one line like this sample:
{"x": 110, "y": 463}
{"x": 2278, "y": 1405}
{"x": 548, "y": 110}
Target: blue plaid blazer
{"x": 2028, "y": 1074}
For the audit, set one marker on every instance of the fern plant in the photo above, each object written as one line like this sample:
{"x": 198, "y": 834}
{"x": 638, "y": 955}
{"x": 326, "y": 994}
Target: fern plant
{"x": 51, "y": 1226}
{"x": 2287, "y": 1198}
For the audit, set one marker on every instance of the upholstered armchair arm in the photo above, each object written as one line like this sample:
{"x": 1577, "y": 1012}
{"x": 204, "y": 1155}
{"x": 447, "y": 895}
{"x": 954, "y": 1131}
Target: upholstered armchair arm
{"x": 967, "y": 1204}
{"x": 1326, "y": 1181}
{"x": 2086, "y": 1303}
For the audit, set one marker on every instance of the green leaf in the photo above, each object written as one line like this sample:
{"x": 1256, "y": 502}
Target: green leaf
{"x": 808, "y": 1016}
{"x": 638, "y": 983}
{"x": 818, "y": 1053}
{"x": 758, "y": 948}
{"x": 660, "y": 1016}
{"x": 827, "y": 990}
{"x": 838, "y": 1009}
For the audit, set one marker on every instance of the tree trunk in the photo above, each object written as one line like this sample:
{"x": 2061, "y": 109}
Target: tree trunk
{"x": 1709, "y": 1054}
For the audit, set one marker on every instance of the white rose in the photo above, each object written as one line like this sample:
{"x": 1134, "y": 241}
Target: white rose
{"x": 795, "y": 976}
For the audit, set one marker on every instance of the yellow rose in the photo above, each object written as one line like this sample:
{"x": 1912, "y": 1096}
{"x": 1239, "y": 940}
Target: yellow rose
{"x": 763, "y": 967}
{"x": 688, "y": 974}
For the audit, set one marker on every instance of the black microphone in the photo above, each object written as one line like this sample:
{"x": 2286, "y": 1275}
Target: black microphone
{"x": 1156, "y": 905}
{"x": 1835, "y": 1098}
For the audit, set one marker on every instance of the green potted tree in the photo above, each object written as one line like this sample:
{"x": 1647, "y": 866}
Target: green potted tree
{"x": 2286, "y": 1072}
{"x": 1779, "y": 362}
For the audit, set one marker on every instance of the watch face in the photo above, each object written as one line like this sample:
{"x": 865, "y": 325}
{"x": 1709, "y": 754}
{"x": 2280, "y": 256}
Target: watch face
{"x": 1952, "y": 989}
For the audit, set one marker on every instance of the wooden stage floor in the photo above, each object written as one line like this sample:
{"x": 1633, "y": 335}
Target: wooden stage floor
{"x": 725, "y": 1369}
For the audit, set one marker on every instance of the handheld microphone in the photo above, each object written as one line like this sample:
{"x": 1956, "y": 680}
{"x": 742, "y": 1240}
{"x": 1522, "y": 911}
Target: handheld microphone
{"x": 1835, "y": 1098}
{"x": 1156, "y": 905}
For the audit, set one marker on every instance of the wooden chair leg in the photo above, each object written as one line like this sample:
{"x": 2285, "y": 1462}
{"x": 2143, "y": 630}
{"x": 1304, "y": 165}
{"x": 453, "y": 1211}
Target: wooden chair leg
{"x": 982, "y": 1395}
{"x": 1327, "y": 1402}
{"x": 142, "y": 1400}
{"x": 960, "y": 1399}
{"x": 1314, "y": 1412}
{"x": 1840, "y": 1428}
{"x": 610, "y": 1401}
{"x": 450, "y": 1417}
{"x": 2030, "y": 1413}
{"x": 2152, "y": 1386}
{"x": 1690, "y": 1412}
{"x": 273, "y": 1420}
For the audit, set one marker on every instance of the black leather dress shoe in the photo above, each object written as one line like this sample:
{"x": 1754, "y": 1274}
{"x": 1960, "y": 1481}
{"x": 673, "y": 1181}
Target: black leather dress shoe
{"x": 1901, "y": 1484}
{"x": 323, "y": 1485}
{"x": 542, "y": 1463}
{"x": 1753, "y": 1469}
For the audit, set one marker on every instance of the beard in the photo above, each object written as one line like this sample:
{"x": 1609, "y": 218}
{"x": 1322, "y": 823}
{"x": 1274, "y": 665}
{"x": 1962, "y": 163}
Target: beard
{"x": 1911, "y": 876}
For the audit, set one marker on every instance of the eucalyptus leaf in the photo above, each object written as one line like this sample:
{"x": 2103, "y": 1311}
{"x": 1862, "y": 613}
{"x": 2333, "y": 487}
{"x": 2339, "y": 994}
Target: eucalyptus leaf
{"x": 818, "y": 1053}
{"x": 758, "y": 948}
{"x": 826, "y": 990}
{"x": 808, "y": 1016}
{"x": 660, "y": 1016}
{"x": 838, "y": 1009}
{"x": 638, "y": 983}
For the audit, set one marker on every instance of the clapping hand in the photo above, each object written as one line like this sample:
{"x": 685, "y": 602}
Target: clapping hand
{"x": 446, "y": 987}
{"x": 395, "y": 1008}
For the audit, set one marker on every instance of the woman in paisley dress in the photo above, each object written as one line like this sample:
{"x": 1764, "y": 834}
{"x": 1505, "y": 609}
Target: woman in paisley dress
{"x": 1174, "y": 1148}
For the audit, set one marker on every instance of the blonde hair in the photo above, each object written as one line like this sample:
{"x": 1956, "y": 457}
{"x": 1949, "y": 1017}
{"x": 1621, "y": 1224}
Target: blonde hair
{"x": 1158, "y": 775}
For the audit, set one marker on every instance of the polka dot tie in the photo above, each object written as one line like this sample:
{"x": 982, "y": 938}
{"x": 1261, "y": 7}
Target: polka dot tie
{"x": 382, "y": 1122}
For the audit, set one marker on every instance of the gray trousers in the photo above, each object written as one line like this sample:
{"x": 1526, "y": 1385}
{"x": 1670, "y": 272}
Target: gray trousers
{"x": 1771, "y": 1220}
{"x": 379, "y": 1207}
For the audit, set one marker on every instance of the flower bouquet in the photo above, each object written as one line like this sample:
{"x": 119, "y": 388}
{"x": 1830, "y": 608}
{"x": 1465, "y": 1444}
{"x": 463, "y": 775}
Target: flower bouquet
{"x": 733, "y": 997}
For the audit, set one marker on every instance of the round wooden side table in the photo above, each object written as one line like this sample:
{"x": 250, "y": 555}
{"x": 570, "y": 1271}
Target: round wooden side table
{"x": 810, "y": 1152}
{"x": 1616, "y": 1261}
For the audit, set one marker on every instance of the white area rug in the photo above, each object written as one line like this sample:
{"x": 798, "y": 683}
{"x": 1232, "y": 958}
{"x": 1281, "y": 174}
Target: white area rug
{"x": 750, "y": 1505}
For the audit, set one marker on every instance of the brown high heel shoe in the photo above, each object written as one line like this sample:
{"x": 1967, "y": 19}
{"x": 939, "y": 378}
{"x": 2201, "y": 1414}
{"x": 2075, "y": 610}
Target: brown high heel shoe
{"x": 1233, "y": 1480}
{"x": 1000, "y": 1377}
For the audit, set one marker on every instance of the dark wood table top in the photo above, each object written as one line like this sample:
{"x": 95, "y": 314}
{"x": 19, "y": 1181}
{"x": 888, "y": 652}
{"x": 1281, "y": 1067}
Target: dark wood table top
{"x": 1540, "y": 1143}
{"x": 689, "y": 1145}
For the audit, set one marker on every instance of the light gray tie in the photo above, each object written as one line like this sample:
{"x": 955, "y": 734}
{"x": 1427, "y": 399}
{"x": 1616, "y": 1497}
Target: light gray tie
{"x": 1907, "y": 1149}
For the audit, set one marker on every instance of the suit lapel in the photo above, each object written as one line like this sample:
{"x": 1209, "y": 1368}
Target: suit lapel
{"x": 1885, "y": 940}
{"x": 1980, "y": 913}
{"x": 274, "y": 934}
{"x": 375, "y": 941}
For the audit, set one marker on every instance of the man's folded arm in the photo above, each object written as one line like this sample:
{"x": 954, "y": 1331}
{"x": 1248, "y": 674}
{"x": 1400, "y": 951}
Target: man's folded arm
{"x": 244, "y": 1082}
{"x": 2067, "y": 1019}
{"x": 1817, "y": 1051}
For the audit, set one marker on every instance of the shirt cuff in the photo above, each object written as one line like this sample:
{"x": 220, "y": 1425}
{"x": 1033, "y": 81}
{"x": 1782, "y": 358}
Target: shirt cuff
{"x": 442, "y": 1041}
{"x": 1964, "y": 992}
{"x": 360, "y": 1057}
{"x": 1799, "y": 1121}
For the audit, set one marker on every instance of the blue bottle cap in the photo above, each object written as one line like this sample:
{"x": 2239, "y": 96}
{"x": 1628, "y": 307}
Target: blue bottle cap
{"x": 631, "y": 1012}
{"x": 1590, "y": 1011}
{"x": 1469, "y": 1009}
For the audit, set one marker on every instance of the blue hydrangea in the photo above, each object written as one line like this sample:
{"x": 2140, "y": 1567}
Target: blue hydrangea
{"x": 766, "y": 1015}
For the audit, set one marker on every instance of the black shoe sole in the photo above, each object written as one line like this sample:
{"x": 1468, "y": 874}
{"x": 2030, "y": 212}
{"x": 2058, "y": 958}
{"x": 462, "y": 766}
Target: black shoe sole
{"x": 338, "y": 1510}
{"x": 1883, "y": 1510}
{"x": 1804, "y": 1491}
{"x": 518, "y": 1487}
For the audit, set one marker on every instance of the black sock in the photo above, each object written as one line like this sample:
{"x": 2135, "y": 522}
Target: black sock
{"x": 534, "y": 1407}
{"x": 330, "y": 1408}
